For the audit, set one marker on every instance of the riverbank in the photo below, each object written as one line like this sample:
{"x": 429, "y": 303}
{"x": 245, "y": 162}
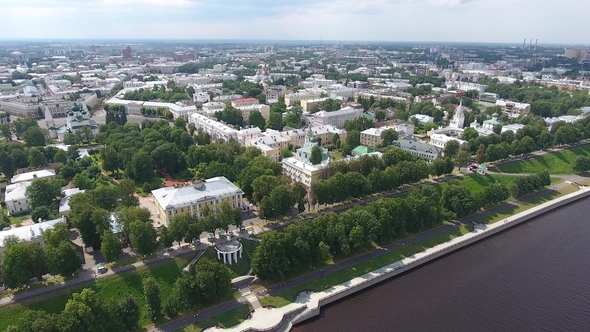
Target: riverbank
{"x": 310, "y": 303}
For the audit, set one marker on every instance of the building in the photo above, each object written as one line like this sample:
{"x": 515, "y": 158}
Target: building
{"x": 361, "y": 151}
{"x": 262, "y": 108}
{"x": 336, "y": 118}
{"x": 513, "y": 107}
{"x": 219, "y": 68}
{"x": 31, "y": 176}
{"x": 324, "y": 134}
{"x": 201, "y": 97}
{"x": 307, "y": 104}
{"x": 487, "y": 127}
{"x": 192, "y": 198}
{"x": 29, "y": 233}
{"x": 270, "y": 143}
{"x": 576, "y": 53}
{"x": 244, "y": 102}
{"x": 77, "y": 118}
{"x": 489, "y": 97}
{"x": 16, "y": 199}
{"x": 127, "y": 53}
{"x": 422, "y": 119}
{"x": 440, "y": 140}
{"x": 458, "y": 120}
{"x": 212, "y": 107}
{"x": 412, "y": 145}
{"x": 64, "y": 202}
{"x": 293, "y": 98}
{"x": 215, "y": 129}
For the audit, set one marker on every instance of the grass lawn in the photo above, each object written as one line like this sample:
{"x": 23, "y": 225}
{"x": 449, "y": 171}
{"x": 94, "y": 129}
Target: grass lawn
{"x": 225, "y": 320}
{"x": 18, "y": 219}
{"x": 561, "y": 162}
{"x": 476, "y": 182}
{"x": 110, "y": 288}
{"x": 503, "y": 214}
{"x": 337, "y": 155}
{"x": 243, "y": 265}
{"x": 341, "y": 276}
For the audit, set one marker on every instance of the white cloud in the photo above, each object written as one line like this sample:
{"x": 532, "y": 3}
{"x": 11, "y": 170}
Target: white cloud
{"x": 384, "y": 20}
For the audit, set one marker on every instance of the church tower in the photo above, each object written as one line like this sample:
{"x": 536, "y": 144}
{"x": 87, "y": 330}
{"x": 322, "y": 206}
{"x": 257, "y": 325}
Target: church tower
{"x": 459, "y": 117}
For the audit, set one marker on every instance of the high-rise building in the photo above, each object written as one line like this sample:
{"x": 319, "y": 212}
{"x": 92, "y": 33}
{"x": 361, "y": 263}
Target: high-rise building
{"x": 576, "y": 53}
{"x": 127, "y": 53}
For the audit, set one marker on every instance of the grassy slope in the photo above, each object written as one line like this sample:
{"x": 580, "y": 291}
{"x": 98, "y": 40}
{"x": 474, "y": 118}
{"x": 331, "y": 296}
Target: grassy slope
{"x": 225, "y": 320}
{"x": 560, "y": 162}
{"x": 110, "y": 288}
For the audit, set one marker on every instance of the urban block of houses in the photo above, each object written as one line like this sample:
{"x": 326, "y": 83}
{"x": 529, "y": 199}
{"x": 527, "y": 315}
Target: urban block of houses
{"x": 423, "y": 150}
{"x": 192, "y": 198}
{"x": 29, "y": 233}
{"x": 270, "y": 143}
{"x": 218, "y": 130}
{"x": 440, "y": 140}
{"x": 16, "y": 199}
{"x": 31, "y": 176}
{"x": 336, "y": 118}
{"x": 247, "y": 109}
{"x": 487, "y": 127}
{"x": 244, "y": 102}
{"x": 324, "y": 134}
{"x": 292, "y": 98}
{"x": 34, "y": 107}
{"x": 372, "y": 137}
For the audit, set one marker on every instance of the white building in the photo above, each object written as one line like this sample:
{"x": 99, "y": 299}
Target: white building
{"x": 212, "y": 107}
{"x": 192, "y": 198}
{"x": 422, "y": 119}
{"x": 336, "y": 118}
{"x": 441, "y": 140}
{"x": 215, "y": 129}
{"x": 64, "y": 202}
{"x": 270, "y": 143}
{"x": 16, "y": 198}
{"x": 201, "y": 97}
{"x": 31, "y": 176}
{"x": 29, "y": 233}
{"x": 458, "y": 119}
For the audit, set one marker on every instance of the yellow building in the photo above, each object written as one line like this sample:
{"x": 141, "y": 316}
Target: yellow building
{"x": 192, "y": 198}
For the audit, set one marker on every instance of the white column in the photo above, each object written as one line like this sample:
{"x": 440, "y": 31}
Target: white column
{"x": 236, "y": 256}
{"x": 229, "y": 258}
{"x": 218, "y": 255}
{"x": 241, "y": 250}
{"x": 224, "y": 261}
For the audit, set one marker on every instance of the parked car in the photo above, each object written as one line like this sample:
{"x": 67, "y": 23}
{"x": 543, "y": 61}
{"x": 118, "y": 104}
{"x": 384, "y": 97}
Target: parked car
{"x": 221, "y": 234}
{"x": 210, "y": 237}
{"x": 230, "y": 233}
{"x": 242, "y": 229}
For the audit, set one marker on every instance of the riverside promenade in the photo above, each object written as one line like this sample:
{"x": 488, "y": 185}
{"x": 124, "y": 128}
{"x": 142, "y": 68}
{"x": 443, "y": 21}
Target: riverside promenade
{"x": 308, "y": 304}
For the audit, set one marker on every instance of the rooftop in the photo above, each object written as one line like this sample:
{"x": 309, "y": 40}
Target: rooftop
{"x": 188, "y": 195}
{"x": 30, "y": 176}
{"x": 30, "y": 232}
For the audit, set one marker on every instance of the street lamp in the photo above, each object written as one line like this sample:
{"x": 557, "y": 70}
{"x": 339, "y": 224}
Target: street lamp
{"x": 413, "y": 240}
{"x": 321, "y": 273}
{"x": 371, "y": 255}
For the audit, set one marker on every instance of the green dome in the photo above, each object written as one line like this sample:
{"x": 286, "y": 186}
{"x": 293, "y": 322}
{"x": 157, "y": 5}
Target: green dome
{"x": 70, "y": 113}
{"x": 314, "y": 140}
{"x": 76, "y": 108}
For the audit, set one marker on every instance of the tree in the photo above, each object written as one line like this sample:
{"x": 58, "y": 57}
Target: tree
{"x": 278, "y": 203}
{"x": 275, "y": 121}
{"x": 255, "y": 119}
{"x": 380, "y": 115}
{"x": 143, "y": 237}
{"x": 43, "y": 192}
{"x": 20, "y": 126}
{"x": 84, "y": 135}
{"x": 213, "y": 279}
{"x": 388, "y": 136}
{"x": 63, "y": 259}
{"x": 169, "y": 157}
{"x": 34, "y": 137}
{"x": 60, "y": 157}
{"x": 480, "y": 155}
{"x": 180, "y": 122}
{"x": 37, "y": 321}
{"x": 316, "y": 155}
{"x": 110, "y": 246}
{"x": 469, "y": 134}
{"x": 263, "y": 186}
{"x": 56, "y": 235}
{"x": 179, "y": 227}
{"x": 228, "y": 216}
{"x": 165, "y": 237}
{"x": 462, "y": 158}
{"x": 151, "y": 292}
{"x": 70, "y": 139}
{"x": 127, "y": 313}
{"x": 353, "y": 139}
{"x": 85, "y": 311}
{"x": 110, "y": 159}
{"x": 5, "y": 131}
{"x": 6, "y": 165}
{"x": 21, "y": 262}
{"x": 40, "y": 213}
{"x": 451, "y": 148}
{"x": 36, "y": 158}
{"x": 582, "y": 164}
{"x": 139, "y": 168}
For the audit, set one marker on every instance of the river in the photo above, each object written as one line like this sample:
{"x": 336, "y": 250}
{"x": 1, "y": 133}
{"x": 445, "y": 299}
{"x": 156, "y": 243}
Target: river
{"x": 533, "y": 277}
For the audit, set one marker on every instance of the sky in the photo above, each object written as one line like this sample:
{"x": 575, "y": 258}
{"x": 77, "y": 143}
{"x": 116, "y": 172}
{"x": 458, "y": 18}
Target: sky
{"x": 489, "y": 21}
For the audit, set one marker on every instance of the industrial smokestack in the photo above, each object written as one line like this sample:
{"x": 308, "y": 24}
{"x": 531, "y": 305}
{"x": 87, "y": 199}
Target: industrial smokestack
{"x": 536, "y": 42}
{"x": 531, "y": 44}
{"x": 523, "y": 43}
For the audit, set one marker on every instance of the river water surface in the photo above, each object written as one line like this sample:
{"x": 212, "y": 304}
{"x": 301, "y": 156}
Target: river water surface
{"x": 533, "y": 277}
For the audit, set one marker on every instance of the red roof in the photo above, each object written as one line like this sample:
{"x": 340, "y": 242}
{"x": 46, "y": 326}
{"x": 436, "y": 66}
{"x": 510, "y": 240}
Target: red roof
{"x": 242, "y": 100}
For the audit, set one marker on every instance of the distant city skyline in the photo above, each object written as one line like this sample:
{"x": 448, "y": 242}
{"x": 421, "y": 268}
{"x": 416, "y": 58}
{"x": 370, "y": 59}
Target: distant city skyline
{"x": 486, "y": 21}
